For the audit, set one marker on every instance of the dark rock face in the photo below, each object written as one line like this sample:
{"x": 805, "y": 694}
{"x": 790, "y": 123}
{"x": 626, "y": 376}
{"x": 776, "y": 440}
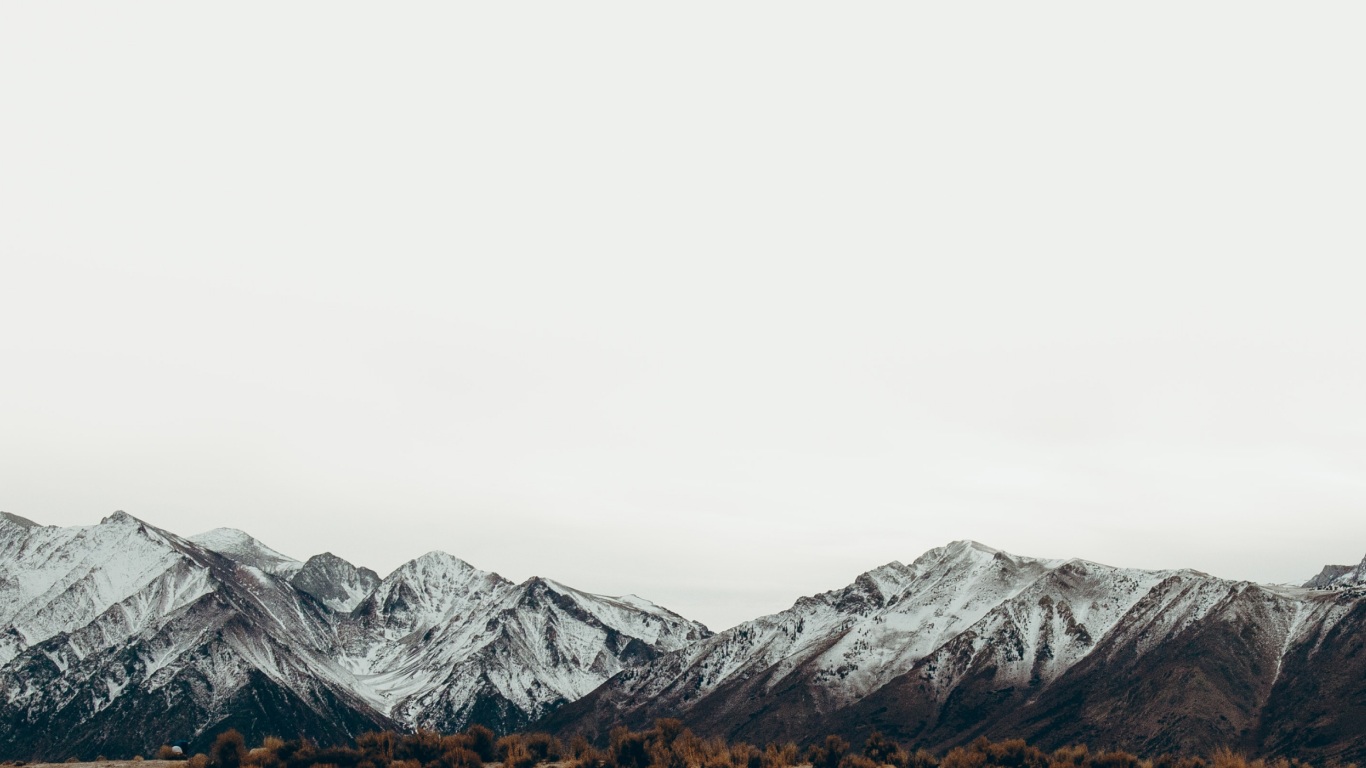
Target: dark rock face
{"x": 1328, "y": 575}
{"x": 1339, "y": 577}
{"x": 338, "y": 584}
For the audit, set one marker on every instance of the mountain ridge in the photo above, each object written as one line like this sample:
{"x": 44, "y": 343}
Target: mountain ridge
{"x": 971, "y": 641}
{"x": 123, "y": 635}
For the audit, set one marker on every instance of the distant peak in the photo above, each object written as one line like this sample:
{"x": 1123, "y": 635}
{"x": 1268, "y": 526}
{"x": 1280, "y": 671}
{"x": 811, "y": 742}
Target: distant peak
{"x": 326, "y": 557}
{"x": 437, "y": 556}
{"x": 22, "y": 522}
{"x": 436, "y": 560}
{"x": 119, "y": 518}
{"x": 242, "y": 547}
{"x": 638, "y": 601}
{"x": 227, "y": 533}
{"x": 1333, "y": 576}
{"x": 963, "y": 545}
{"x": 896, "y": 566}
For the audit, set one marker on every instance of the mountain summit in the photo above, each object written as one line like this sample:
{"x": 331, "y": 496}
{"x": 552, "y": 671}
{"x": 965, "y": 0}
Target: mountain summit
{"x": 119, "y": 636}
{"x": 971, "y": 641}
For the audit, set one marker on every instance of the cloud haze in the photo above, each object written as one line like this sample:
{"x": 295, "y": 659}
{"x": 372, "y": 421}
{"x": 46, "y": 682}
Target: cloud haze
{"x": 719, "y": 304}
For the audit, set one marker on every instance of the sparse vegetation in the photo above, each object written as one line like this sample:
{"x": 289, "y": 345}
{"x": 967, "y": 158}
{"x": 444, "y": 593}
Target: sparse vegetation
{"x": 671, "y": 745}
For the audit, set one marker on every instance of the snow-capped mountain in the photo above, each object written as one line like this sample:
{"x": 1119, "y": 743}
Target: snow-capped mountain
{"x": 510, "y": 653}
{"x": 242, "y": 548}
{"x": 1339, "y": 577}
{"x": 339, "y": 584}
{"x": 120, "y": 636}
{"x": 968, "y": 641}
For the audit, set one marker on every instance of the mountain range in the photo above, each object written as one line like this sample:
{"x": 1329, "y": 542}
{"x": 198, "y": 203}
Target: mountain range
{"x": 118, "y": 637}
{"x": 121, "y": 636}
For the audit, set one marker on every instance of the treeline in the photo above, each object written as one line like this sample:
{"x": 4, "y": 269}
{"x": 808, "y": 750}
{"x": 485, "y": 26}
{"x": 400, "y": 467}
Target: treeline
{"x": 670, "y": 745}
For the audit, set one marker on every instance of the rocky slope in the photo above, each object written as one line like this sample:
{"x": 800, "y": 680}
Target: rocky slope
{"x": 120, "y": 636}
{"x": 1339, "y": 577}
{"x": 970, "y": 641}
{"x": 117, "y": 637}
{"x": 339, "y": 584}
{"x": 244, "y": 549}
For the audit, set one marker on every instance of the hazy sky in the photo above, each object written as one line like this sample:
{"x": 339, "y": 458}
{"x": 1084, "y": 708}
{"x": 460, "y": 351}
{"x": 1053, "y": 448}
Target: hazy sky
{"x": 719, "y": 303}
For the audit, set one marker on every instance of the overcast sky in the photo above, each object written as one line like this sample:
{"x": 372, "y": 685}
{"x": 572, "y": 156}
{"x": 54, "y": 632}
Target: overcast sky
{"x": 718, "y": 303}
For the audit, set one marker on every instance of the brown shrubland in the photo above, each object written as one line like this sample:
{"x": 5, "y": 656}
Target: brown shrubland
{"x": 671, "y": 745}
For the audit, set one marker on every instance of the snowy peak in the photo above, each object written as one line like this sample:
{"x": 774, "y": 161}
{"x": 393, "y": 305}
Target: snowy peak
{"x": 340, "y": 585}
{"x": 239, "y": 546}
{"x": 119, "y": 518}
{"x": 109, "y": 631}
{"x": 887, "y": 581}
{"x": 11, "y": 520}
{"x": 961, "y": 608}
{"x": 439, "y": 658}
{"x": 428, "y": 591}
{"x": 631, "y": 616}
{"x": 1339, "y": 577}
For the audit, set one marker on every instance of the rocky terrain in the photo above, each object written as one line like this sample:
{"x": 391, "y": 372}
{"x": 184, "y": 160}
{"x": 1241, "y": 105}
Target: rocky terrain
{"x": 969, "y": 641}
{"x": 117, "y": 637}
{"x": 120, "y": 636}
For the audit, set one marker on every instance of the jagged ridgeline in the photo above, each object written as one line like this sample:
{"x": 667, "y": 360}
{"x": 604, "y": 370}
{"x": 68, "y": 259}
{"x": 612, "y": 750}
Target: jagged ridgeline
{"x": 119, "y": 637}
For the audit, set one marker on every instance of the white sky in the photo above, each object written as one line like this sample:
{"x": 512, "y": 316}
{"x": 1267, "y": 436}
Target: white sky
{"x": 719, "y": 303}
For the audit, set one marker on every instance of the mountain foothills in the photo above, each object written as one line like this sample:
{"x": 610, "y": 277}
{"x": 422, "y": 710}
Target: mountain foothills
{"x": 120, "y": 636}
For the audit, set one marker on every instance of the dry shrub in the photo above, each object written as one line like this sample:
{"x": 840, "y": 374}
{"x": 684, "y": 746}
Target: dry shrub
{"x": 828, "y": 753}
{"x": 228, "y": 750}
{"x": 377, "y": 746}
{"x": 921, "y": 758}
{"x": 1015, "y": 753}
{"x": 504, "y": 745}
{"x": 460, "y": 757}
{"x": 544, "y": 747}
{"x": 261, "y": 758}
{"x": 857, "y": 761}
{"x": 784, "y": 756}
{"x": 1075, "y": 755}
{"x": 590, "y": 758}
{"x": 746, "y": 756}
{"x": 667, "y": 730}
{"x": 424, "y": 747}
{"x": 516, "y": 755}
{"x": 1118, "y": 760}
{"x": 1227, "y": 758}
{"x": 166, "y": 752}
{"x": 883, "y": 751}
{"x": 200, "y": 760}
{"x": 579, "y": 746}
{"x": 628, "y": 749}
{"x": 481, "y": 741}
{"x": 959, "y": 757}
